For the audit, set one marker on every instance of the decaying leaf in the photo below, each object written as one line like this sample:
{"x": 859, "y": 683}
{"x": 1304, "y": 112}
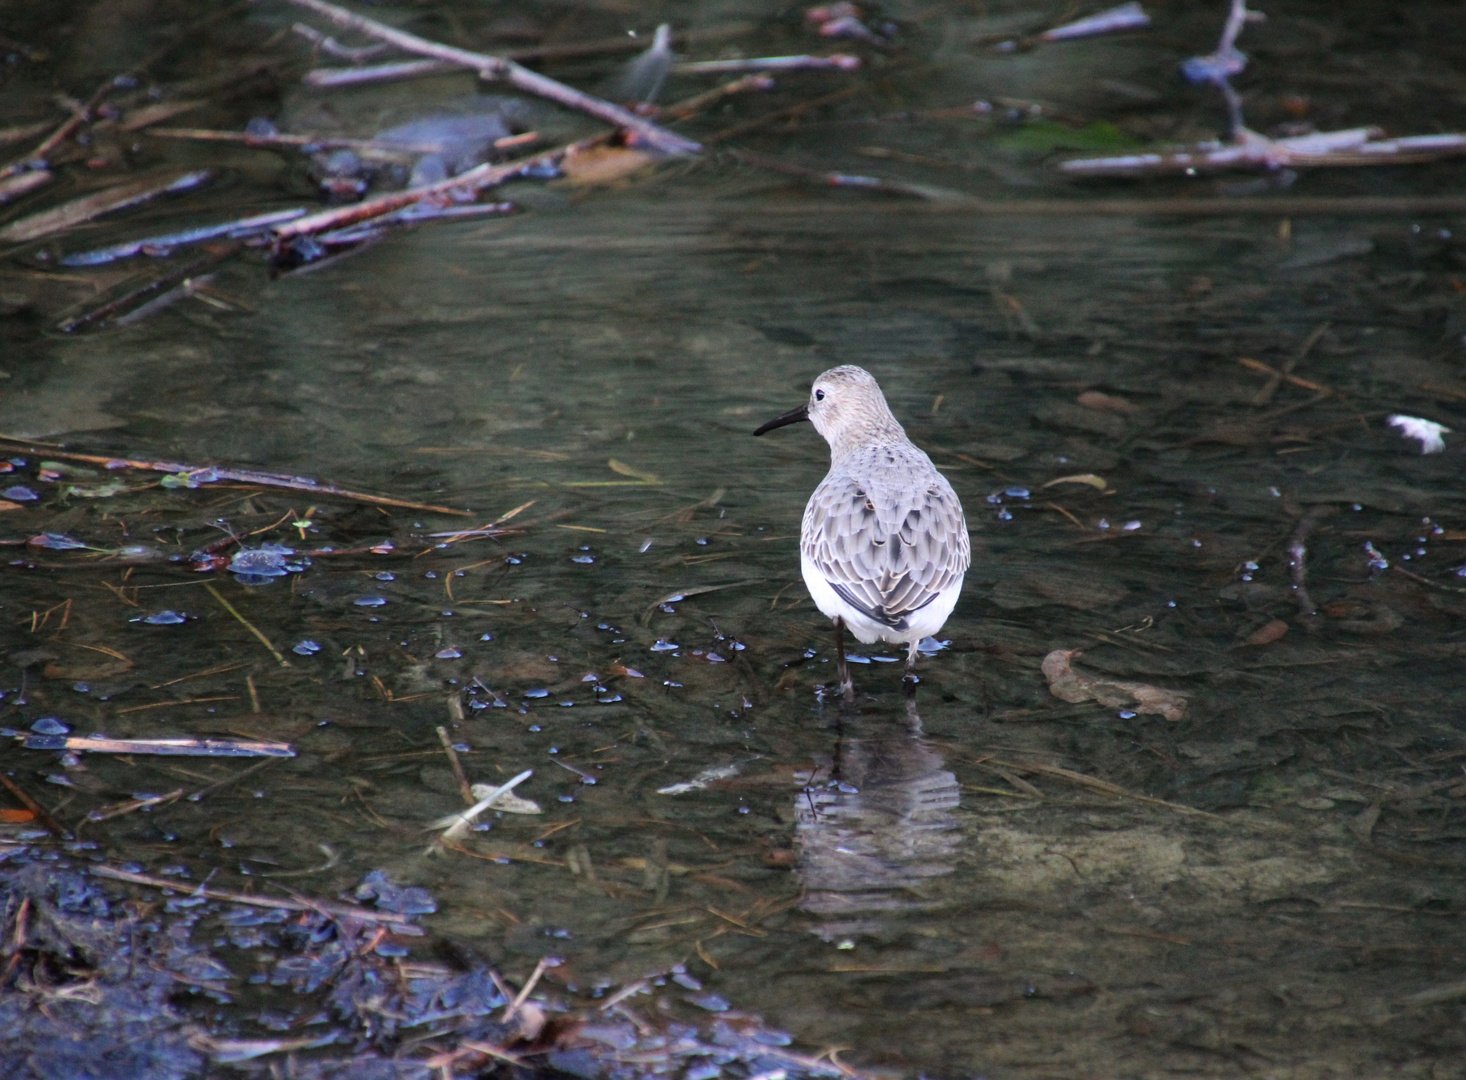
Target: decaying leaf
{"x": 456, "y": 826}
{"x": 97, "y": 491}
{"x": 1067, "y": 684}
{"x": 700, "y": 781}
{"x": 632, "y": 471}
{"x": 1267, "y": 633}
{"x": 1096, "y": 399}
{"x": 508, "y": 801}
{"x": 603, "y": 165}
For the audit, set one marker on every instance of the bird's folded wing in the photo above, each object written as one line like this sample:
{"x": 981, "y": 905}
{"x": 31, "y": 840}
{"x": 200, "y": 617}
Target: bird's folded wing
{"x": 887, "y": 555}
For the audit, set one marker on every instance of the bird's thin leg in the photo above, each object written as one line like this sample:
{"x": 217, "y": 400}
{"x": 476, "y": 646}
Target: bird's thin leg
{"x": 847, "y": 687}
{"x": 909, "y": 680}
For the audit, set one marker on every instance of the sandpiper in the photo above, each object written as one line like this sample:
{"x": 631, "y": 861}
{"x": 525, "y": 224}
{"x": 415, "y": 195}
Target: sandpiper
{"x": 884, "y": 544}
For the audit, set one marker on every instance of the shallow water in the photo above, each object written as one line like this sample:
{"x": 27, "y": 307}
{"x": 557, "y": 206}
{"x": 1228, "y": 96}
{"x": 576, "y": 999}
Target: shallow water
{"x": 990, "y": 882}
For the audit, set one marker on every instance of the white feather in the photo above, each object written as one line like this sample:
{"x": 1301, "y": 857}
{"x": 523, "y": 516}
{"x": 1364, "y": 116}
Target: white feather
{"x": 1427, "y": 432}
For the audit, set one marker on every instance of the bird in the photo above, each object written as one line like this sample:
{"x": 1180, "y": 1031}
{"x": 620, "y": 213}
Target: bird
{"x": 884, "y": 546}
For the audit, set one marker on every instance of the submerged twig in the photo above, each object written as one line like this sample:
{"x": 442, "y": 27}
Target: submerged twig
{"x": 1298, "y": 560}
{"x": 1115, "y": 20}
{"x": 1285, "y": 373}
{"x": 687, "y": 107}
{"x": 366, "y": 148}
{"x": 13, "y": 187}
{"x": 476, "y": 179}
{"x": 38, "y": 159}
{"x": 88, "y": 207}
{"x": 844, "y": 180}
{"x": 238, "y": 229}
{"x": 1249, "y": 150}
{"x": 208, "y": 473}
{"x": 167, "y": 747}
{"x": 1245, "y": 148}
{"x": 219, "y": 785}
{"x": 1264, "y": 206}
{"x": 251, "y": 627}
{"x": 498, "y": 68}
{"x": 135, "y": 299}
{"x": 332, "y": 78}
{"x": 336, "y": 911}
{"x": 331, "y": 47}
{"x": 464, "y": 788}
{"x": 525, "y": 991}
{"x": 836, "y": 62}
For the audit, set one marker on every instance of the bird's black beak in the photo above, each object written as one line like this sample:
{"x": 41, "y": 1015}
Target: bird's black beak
{"x": 793, "y": 416}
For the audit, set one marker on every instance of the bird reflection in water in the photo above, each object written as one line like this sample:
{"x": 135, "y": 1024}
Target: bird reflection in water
{"x": 875, "y": 823}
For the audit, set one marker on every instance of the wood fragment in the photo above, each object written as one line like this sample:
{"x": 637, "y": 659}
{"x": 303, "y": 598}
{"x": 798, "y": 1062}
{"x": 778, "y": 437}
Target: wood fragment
{"x": 168, "y": 747}
{"x": 88, "y": 207}
{"x": 54, "y": 827}
{"x": 13, "y": 187}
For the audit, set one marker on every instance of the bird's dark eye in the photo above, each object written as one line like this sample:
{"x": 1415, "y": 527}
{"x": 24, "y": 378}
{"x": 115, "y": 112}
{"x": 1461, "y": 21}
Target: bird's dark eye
{"x": 819, "y": 395}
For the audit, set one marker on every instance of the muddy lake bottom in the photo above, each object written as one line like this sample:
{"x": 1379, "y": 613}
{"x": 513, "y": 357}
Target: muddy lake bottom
{"x": 1142, "y": 415}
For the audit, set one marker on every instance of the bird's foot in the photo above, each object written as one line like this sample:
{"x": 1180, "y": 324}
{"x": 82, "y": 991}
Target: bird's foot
{"x": 843, "y": 693}
{"x": 909, "y": 682}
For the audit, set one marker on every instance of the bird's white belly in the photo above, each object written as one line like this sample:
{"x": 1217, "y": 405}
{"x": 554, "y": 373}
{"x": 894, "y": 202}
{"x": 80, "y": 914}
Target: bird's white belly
{"x": 923, "y": 623}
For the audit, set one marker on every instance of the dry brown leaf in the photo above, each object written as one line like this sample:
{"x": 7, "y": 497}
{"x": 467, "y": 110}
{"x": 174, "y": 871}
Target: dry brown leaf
{"x": 603, "y": 165}
{"x": 6, "y": 504}
{"x": 531, "y": 1019}
{"x": 1067, "y": 684}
